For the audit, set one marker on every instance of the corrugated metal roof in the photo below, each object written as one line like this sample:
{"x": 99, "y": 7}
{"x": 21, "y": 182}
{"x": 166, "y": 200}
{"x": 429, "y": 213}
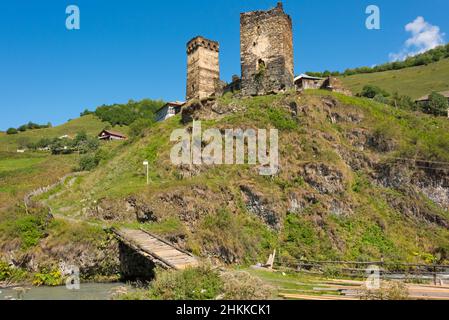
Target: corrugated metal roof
{"x": 305, "y": 76}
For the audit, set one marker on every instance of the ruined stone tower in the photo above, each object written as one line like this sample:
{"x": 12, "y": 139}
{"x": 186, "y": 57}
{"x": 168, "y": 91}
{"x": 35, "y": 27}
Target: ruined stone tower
{"x": 266, "y": 45}
{"x": 203, "y": 70}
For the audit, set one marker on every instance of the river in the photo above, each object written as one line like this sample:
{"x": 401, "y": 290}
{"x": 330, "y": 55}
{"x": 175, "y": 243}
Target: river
{"x": 87, "y": 291}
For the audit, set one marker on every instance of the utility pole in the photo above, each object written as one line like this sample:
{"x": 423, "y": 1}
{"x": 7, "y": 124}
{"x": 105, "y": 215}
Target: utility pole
{"x": 146, "y": 164}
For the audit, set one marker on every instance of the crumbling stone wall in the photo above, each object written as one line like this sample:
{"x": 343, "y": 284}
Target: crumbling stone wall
{"x": 266, "y": 41}
{"x": 203, "y": 69}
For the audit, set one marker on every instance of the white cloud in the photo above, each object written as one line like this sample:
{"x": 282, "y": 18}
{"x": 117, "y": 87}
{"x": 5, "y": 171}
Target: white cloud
{"x": 424, "y": 36}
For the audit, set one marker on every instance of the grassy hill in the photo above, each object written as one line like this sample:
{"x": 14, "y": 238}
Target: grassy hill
{"x": 90, "y": 124}
{"x": 22, "y": 173}
{"x": 359, "y": 180}
{"x": 414, "y": 82}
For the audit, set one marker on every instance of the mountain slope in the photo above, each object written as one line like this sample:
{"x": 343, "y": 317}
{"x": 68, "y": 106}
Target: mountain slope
{"x": 357, "y": 182}
{"x": 90, "y": 124}
{"x": 414, "y": 82}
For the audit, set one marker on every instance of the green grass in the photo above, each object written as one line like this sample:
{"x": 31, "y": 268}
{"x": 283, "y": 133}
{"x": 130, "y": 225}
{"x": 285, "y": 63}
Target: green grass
{"x": 90, "y": 124}
{"x": 414, "y": 82}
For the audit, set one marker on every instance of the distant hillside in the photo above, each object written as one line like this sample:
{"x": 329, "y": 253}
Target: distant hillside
{"x": 414, "y": 82}
{"x": 90, "y": 124}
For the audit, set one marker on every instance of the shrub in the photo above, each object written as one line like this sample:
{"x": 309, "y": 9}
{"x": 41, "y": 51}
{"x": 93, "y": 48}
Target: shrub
{"x": 126, "y": 114}
{"x": 370, "y": 91}
{"x": 243, "y": 286}
{"x": 86, "y": 112}
{"x": 437, "y": 105}
{"x": 9, "y": 273}
{"x": 381, "y": 99}
{"x": 138, "y": 127}
{"x": 48, "y": 277}
{"x": 12, "y": 131}
{"x": 388, "y": 291}
{"x": 200, "y": 283}
{"x": 88, "y": 162}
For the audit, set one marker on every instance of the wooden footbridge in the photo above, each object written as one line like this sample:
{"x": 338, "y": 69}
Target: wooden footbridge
{"x": 156, "y": 249}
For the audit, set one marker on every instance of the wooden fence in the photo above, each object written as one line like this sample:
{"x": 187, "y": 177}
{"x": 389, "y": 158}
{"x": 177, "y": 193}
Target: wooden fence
{"x": 357, "y": 269}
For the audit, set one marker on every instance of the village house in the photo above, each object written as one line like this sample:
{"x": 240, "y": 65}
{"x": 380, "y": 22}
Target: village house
{"x": 107, "y": 135}
{"x": 304, "y": 81}
{"x": 169, "y": 110}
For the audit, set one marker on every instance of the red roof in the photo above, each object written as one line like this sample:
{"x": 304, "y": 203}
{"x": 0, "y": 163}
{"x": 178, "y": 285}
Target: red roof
{"x": 111, "y": 133}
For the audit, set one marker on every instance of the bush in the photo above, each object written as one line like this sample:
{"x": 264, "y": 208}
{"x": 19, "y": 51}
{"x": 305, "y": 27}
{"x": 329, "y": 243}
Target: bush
{"x": 48, "y": 277}
{"x": 86, "y": 112}
{"x": 88, "y": 162}
{"x": 437, "y": 105}
{"x": 126, "y": 114}
{"x": 388, "y": 291}
{"x": 9, "y": 273}
{"x": 200, "y": 283}
{"x": 425, "y": 58}
{"x": 138, "y": 127}
{"x": 381, "y": 99}
{"x": 371, "y": 92}
{"x": 243, "y": 286}
{"x": 12, "y": 131}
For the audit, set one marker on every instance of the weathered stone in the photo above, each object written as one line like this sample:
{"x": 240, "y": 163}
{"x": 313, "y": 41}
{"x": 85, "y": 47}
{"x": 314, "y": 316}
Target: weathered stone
{"x": 203, "y": 69}
{"x": 266, "y": 41}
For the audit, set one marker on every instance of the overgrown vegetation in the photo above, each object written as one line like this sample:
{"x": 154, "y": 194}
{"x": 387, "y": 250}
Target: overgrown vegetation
{"x": 425, "y": 58}
{"x": 437, "y": 105}
{"x": 29, "y": 126}
{"x": 202, "y": 283}
{"x": 126, "y": 114}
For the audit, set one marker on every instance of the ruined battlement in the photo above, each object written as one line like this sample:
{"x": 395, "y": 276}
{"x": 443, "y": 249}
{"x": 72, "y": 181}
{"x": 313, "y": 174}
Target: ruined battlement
{"x": 200, "y": 41}
{"x": 260, "y": 14}
{"x": 203, "y": 68}
{"x": 266, "y": 42}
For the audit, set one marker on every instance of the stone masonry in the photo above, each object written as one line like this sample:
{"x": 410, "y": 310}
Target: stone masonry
{"x": 203, "y": 70}
{"x": 266, "y": 44}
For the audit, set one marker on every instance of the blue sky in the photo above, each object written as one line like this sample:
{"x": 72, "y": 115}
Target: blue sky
{"x": 136, "y": 49}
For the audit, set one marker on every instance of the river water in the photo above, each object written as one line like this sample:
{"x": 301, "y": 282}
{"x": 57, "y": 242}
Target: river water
{"x": 87, "y": 291}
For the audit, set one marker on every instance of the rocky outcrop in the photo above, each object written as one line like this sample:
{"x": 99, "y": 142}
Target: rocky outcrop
{"x": 260, "y": 206}
{"x": 208, "y": 109}
{"x": 324, "y": 179}
{"x": 144, "y": 213}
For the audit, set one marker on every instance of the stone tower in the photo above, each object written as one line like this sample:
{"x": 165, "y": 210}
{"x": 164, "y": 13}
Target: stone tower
{"x": 203, "y": 69}
{"x": 266, "y": 45}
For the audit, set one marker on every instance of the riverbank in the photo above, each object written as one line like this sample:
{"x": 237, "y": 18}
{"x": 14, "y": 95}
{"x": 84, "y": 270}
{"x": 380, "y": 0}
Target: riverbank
{"x": 87, "y": 291}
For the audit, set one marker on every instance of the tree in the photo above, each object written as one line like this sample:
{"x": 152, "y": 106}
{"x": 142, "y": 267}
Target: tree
{"x": 12, "y": 131}
{"x": 437, "y": 105}
{"x": 86, "y": 112}
{"x": 370, "y": 91}
{"x": 138, "y": 127}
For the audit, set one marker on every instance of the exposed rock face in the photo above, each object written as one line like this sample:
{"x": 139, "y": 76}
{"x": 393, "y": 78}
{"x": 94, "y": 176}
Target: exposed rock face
{"x": 322, "y": 178}
{"x": 144, "y": 213}
{"x": 207, "y": 109}
{"x": 266, "y": 51}
{"x": 431, "y": 183}
{"x": 257, "y": 204}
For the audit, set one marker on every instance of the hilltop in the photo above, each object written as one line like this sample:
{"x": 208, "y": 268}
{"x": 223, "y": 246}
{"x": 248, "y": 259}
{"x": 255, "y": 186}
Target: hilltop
{"x": 414, "y": 82}
{"x": 359, "y": 180}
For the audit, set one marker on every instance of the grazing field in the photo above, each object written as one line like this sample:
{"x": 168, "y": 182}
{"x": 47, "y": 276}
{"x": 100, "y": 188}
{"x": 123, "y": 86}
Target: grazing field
{"x": 22, "y": 173}
{"x": 414, "y": 82}
{"x": 90, "y": 124}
